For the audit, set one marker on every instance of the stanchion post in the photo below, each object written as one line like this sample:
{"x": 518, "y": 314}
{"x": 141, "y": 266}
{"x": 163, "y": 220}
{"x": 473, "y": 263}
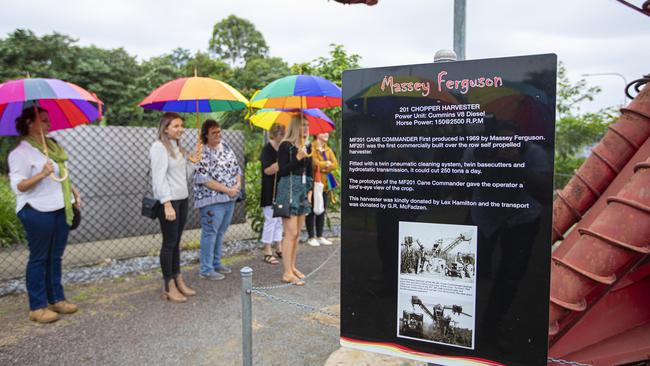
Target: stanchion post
{"x": 247, "y": 315}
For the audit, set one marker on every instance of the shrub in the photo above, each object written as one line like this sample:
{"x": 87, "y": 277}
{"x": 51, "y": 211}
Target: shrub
{"x": 11, "y": 230}
{"x": 253, "y": 175}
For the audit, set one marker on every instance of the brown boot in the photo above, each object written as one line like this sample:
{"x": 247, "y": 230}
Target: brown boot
{"x": 43, "y": 315}
{"x": 183, "y": 287}
{"x": 172, "y": 293}
{"x": 63, "y": 307}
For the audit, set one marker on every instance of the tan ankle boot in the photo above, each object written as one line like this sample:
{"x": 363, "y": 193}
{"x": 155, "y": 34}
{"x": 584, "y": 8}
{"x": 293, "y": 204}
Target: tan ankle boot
{"x": 173, "y": 294}
{"x": 183, "y": 287}
{"x": 43, "y": 315}
{"x": 63, "y": 307}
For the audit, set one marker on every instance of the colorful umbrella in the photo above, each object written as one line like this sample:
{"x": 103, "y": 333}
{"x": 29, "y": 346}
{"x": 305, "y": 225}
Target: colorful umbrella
{"x": 319, "y": 122}
{"x": 68, "y": 105}
{"x": 298, "y": 91}
{"x": 195, "y": 94}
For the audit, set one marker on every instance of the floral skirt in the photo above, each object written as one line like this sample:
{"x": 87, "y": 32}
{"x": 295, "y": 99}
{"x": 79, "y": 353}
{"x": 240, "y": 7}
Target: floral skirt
{"x": 299, "y": 204}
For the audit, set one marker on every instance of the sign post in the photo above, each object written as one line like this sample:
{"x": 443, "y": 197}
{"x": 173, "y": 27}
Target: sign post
{"x": 446, "y": 210}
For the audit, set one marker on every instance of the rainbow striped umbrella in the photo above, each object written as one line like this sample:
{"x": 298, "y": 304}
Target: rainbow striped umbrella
{"x": 298, "y": 91}
{"x": 319, "y": 122}
{"x": 195, "y": 94}
{"x": 68, "y": 105}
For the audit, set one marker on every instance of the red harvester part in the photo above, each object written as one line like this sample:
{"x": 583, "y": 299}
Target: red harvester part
{"x": 617, "y": 240}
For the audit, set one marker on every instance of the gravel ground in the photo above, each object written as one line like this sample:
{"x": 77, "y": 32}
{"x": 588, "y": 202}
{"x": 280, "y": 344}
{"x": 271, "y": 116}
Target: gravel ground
{"x": 123, "y": 321}
{"x": 116, "y": 268}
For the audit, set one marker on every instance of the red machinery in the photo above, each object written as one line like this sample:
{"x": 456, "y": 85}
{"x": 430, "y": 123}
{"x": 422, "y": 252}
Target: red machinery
{"x": 600, "y": 275}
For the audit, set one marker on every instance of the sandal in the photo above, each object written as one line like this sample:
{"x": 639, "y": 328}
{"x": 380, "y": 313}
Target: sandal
{"x": 270, "y": 259}
{"x": 278, "y": 254}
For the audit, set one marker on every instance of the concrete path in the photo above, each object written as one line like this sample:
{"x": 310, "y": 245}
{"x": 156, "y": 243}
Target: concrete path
{"x": 124, "y": 322}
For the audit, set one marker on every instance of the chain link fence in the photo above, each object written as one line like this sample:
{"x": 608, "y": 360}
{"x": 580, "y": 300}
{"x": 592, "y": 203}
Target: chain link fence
{"x": 110, "y": 168}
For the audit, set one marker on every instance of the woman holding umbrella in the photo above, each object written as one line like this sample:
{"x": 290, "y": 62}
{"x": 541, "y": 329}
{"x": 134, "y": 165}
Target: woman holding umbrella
{"x": 324, "y": 163}
{"x": 294, "y": 191}
{"x": 44, "y": 207}
{"x": 217, "y": 185}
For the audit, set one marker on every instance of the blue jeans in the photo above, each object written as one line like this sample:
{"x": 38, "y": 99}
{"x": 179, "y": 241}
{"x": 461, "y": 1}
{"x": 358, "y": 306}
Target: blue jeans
{"x": 47, "y": 235}
{"x": 214, "y": 223}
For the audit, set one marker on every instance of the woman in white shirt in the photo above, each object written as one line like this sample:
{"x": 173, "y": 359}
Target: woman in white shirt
{"x": 169, "y": 179}
{"x": 44, "y": 207}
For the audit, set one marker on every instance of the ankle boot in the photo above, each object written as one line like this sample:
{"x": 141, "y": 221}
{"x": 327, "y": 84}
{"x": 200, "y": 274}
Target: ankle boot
{"x": 183, "y": 287}
{"x": 63, "y": 307}
{"x": 43, "y": 316}
{"x": 172, "y": 293}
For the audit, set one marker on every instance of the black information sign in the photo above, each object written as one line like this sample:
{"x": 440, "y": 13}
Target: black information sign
{"x": 446, "y": 210}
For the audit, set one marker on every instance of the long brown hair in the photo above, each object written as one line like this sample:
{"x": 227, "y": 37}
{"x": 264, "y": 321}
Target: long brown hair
{"x": 165, "y": 121}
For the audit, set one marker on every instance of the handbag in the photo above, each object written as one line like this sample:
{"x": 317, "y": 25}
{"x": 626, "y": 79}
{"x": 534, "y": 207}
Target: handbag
{"x": 319, "y": 205}
{"x": 150, "y": 205}
{"x": 76, "y": 218}
{"x": 279, "y": 208}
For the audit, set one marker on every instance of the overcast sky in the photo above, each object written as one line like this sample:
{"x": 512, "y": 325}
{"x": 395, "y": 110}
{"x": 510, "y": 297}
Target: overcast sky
{"x": 589, "y": 36}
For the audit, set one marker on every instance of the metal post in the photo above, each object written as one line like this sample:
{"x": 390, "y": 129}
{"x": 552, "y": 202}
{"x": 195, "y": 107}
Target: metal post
{"x": 247, "y": 315}
{"x": 459, "y": 28}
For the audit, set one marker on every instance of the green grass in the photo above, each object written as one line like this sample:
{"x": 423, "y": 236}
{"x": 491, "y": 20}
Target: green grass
{"x": 81, "y": 296}
{"x": 11, "y": 230}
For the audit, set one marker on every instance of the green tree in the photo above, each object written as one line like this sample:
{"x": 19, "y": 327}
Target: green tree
{"x": 50, "y": 56}
{"x": 236, "y": 39}
{"x": 110, "y": 74}
{"x": 575, "y": 131}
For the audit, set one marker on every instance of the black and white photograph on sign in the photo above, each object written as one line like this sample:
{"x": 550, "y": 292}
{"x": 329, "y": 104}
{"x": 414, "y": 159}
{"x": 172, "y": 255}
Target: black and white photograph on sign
{"x": 438, "y": 251}
{"x": 436, "y": 319}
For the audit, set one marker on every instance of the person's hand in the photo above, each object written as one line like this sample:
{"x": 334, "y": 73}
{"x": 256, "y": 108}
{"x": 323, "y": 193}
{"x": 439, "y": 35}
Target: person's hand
{"x": 302, "y": 152}
{"x": 170, "y": 214}
{"x": 77, "y": 202}
{"x": 273, "y": 168}
{"x": 233, "y": 192}
{"x": 309, "y": 194}
{"x": 48, "y": 168}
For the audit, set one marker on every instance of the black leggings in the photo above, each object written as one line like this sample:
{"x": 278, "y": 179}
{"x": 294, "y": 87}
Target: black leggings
{"x": 319, "y": 220}
{"x": 170, "y": 253}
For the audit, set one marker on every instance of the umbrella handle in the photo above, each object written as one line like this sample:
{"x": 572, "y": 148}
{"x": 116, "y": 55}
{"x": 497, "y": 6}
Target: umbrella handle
{"x": 197, "y": 156}
{"x": 47, "y": 155}
{"x": 57, "y": 179}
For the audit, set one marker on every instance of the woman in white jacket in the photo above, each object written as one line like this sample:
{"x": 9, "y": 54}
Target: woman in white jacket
{"x": 169, "y": 179}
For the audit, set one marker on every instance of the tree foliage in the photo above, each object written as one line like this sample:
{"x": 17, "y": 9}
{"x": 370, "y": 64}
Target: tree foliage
{"x": 236, "y": 39}
{"x": 575, "y": 131}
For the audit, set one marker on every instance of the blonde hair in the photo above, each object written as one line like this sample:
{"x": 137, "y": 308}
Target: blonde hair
{"x": 294, "y": 133}
{"x": 165, "y": 121}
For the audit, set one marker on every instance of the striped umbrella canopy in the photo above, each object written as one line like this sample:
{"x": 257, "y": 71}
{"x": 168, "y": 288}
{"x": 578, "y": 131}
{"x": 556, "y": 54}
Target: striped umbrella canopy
{"x": 298, "y": 91}
{"x": 68, "y": 105}
{"x": 319, "y": 122}
{"x": 195, "y": 94}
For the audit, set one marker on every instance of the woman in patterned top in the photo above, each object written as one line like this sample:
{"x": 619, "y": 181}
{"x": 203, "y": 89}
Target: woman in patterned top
{"x": 294, "y": 190}
{"x": 217, "y": 184}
